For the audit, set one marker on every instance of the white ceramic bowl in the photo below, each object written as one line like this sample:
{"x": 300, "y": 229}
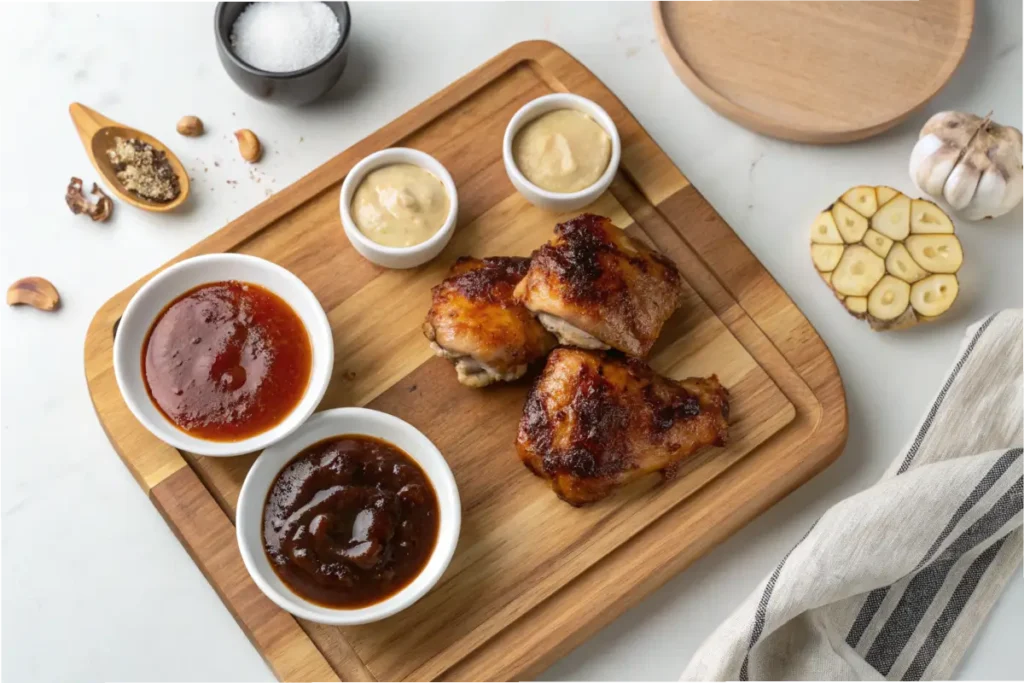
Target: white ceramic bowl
{"x": 398, "y": 257}
{"x": 155, "y": 295}
{"x": 560, "y": 201}
{"x": 337, "y": 422}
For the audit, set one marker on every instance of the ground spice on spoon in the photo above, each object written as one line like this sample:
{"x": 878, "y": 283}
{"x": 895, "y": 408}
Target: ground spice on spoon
{"x": 144, "y": 170}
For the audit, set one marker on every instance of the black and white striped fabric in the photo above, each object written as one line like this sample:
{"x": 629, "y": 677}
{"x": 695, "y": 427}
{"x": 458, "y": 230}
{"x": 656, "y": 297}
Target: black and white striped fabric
{"x": 894, "y": 582}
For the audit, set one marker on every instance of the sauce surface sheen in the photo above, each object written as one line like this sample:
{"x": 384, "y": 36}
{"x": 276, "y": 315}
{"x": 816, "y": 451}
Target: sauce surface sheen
{"x": 226, "y": 361}
{"x": 350, "y": 521}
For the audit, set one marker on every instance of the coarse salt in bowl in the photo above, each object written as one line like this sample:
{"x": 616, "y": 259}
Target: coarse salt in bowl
{"x": 285, "y": 36}
{"x": 284, "y": 53}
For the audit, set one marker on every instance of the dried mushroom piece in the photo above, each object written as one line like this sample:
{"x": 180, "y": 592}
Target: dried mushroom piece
{"x": 35, "y": 292}
{"x": 899, "y": 271}
{"x": 79, "y": 203}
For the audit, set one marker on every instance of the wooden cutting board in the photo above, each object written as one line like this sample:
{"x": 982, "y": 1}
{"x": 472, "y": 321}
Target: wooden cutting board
{"x": 815, "y": 71}
{"x": 532, "y": 576}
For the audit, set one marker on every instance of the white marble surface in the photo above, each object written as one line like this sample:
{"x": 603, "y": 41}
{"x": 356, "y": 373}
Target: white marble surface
{"x": 95, "y": 587}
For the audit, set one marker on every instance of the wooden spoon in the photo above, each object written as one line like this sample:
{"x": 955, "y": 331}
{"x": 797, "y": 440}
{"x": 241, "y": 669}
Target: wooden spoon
{"x": 98, "y": 133}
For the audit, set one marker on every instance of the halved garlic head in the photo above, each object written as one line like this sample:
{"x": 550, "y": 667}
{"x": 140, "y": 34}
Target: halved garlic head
{"x": 891, "y": 260}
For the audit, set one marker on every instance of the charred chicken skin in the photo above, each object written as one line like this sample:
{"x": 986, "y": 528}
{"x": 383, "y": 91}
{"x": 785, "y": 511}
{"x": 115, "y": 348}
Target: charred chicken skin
{"x": 475, "y": 322}
{"x": 596, "y": 288}
{"x": 594, "y": 422}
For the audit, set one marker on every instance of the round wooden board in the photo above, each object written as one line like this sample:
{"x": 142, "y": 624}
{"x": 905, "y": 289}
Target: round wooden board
{"x": 822, "y": 72}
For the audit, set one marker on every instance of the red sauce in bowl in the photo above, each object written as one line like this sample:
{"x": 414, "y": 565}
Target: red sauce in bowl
{"x": 226, "y": 361}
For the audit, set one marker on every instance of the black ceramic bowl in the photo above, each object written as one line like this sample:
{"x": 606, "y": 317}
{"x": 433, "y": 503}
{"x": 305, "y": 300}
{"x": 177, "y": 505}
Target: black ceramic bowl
{"x": 291, "y": 87}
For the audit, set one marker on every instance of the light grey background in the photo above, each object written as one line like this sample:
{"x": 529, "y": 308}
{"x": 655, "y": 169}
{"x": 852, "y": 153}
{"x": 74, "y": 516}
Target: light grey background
{"x": 95, "y": 586}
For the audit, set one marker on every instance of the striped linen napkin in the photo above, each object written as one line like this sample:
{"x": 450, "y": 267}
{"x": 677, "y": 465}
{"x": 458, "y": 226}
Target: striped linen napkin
{"x": 894, "y": 582}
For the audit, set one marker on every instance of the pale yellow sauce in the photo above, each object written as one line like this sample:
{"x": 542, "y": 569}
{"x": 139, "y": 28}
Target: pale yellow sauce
{"x": 562, "y": 151}
{"x": 400, "y": 205}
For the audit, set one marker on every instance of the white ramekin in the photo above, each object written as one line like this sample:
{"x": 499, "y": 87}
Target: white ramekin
{"x": 560, "y": 201}
{"x": 337, "y": 422}
{"x": 155, "y": 295}
{"x": 398, "y": 257}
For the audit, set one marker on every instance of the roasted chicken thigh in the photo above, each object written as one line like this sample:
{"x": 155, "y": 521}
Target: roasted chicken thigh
{"x": 596, "y": 288}
{"x": 595, "y": 421}
{"x": 475, "y": 323}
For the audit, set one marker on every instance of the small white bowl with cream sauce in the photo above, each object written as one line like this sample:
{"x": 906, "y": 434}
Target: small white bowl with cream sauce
{"x": 399, "y": 207}
{"x": 561, "y": 151}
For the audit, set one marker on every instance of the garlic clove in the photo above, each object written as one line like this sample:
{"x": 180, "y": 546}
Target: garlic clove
{"x": 961, "y": 184}
{"x": 893, "y": 219}
{"x": 936, "y": 253}
{"x": 931, "y": 162}
{"x": 824, "y": 230}
{"x": 994, "y": 196}
{"x": 858, "y": 271}
{"x": 826, "y": 256}
{"x": 929, "y": 219}
{"x": 900, "y": 263}
{"x": 862, "y": 199}
{"x": 877, "y": 242}
{"x": 934, "y": 295}
{"x": 885, "y": 193}
{"x": 851, "y": 225}
{"x": 856, "y": 304}
{"x": 36, "y": 292}
{"x": 889, "y": 299}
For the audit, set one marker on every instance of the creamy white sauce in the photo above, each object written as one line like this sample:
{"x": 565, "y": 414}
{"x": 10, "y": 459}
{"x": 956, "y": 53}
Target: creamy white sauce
{"x": 562, "y": 151}
{"x": 400, "y": 205}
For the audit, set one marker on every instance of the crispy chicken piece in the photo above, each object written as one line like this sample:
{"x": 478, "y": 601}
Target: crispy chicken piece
{"x": 594, "y": 421}
{"x": 595, "y": 288}
{"x": 475, "y": 323}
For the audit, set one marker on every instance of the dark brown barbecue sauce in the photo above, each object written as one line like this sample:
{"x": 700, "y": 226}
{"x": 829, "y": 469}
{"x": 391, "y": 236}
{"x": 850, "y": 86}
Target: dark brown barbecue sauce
{"x": 350, "y": 521}
{"x": 226, "y": 361}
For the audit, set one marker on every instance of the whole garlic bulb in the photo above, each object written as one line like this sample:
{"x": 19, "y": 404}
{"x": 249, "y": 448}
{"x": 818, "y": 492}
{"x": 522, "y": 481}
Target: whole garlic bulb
{"x": 971, "y": 163}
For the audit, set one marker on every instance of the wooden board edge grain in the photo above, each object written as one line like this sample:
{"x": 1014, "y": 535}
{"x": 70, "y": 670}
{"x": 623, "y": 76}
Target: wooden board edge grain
{"x": 782, "y": 130}
{"x": 154, "y": 460}
{"x": 752, "y": 287}
{"x": 209, "y": 537}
